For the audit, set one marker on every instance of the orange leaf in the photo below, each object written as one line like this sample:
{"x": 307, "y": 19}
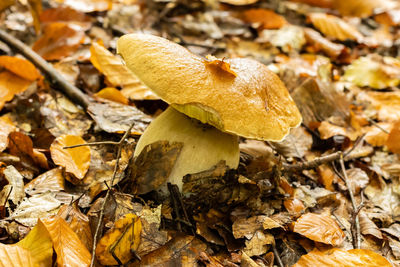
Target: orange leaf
{"x": 21, "y": 67}
{"x": 36, "y": 9}
{"x": 393, "y": 141}
{"x": 10, "y": 85}
{"x": 239, "y": 2}
{"x": 59, "y": 40}
{"x": 267, "y": 18}
{"x": 294, "y": 205}
{"x": 219, "y": 64}
{"x": 6, "y": 128}
{"x": 63, "y": 14}
{"x": 69, "y": 248}
{"x": 338, "y": 257}
{"x": 320, "y": 228}
{"x": 334, "y": 27}
{"x": 120, "y": 240}
{"x": 75, "y": 160}
{"x": 112, "y": 94}
{"x": 5, "y": 4}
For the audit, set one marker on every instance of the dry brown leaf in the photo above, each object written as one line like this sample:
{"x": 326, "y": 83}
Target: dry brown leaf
{"x": 294, "y": 205}
{"x": 88, "y": 5}
{"x": 389, "y": 18}
{"x": 239, "y": 2}
{"x": 375, "y": 134}
{"x": 52, "y": 180}
{"x": 328, "y": 130}
{"x": 21, "y": 67}
{"x": 120, "y": 241}
{"x": 374, "y": 71}
{"x": 246, "y": 227}
{"x": 334, "y": 27}
{"x": 362, "y": 8}
{"x": 118, "y": 74}
{"x": 78, "y": 222}
{"x": 6, "y": 128}
{"x": 112, "y": 94}
{"x": 320, "y": 43}
{"x": 338, "y": 257}
{"x": 264, "y": 18}
{"x": 70, "y": 250}
{"x": 258, "y": 244}
{"x": 320, "y": 228}
{"x": 75, "y": 160}
{"x": 219, "y": 65}
{"x": 36, "y": 8}
{"x": 368, "y": 227}
{"x": 62, "y": 13}
{"x": 5, "y": 4}
{"x": 59, "y": 40}
{"x": 10, "y": 85}
{"x": 393, "y": 141}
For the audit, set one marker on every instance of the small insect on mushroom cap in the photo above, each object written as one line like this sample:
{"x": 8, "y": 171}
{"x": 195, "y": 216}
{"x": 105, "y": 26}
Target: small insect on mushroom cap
{"x": 238, "y": 96}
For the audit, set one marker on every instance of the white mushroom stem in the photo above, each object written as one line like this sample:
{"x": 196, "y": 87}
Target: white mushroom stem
{"x": 203, "y": 145}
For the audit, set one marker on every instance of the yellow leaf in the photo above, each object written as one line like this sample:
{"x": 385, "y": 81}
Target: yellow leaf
{"x": 36, "y": 9}
{"x": 35, "y": 250}
{"x": 10, "y": 85}
{"x": 334, "y": 27}
{"x": 112, "y": 94}
{"x": 375, "y": 72}
{"x": 362, "y": 8}
{"x": 117, "y": 73}
{"x": 21, "y": 67}
{"x": 69, "y": 248}
{"x": 338, "y": 257}
{"x": 75, "y": 160}
{"x": 120, "y": 240}
{"x": 267, "y": 18}
{"x": 320, "y": 228}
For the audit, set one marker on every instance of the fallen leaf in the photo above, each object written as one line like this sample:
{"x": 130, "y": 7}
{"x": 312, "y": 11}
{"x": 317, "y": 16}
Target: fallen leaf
{"x": 219, "y": 65}
{"x": 75, "y": 160}
{"x": 338, "y": 257}
{"x": 318, "y": 3}
{"x": 373, "y": 71}
{"x": 50, "y": 181}
{"x": 389, "y": 18}
{"x": 6, "y": 128}
{"x": 35, "y": 250}
{"x": 88, "y": 5}
{"x": 288, "y": 38}
{"x": 112, "y": 94}
{"x": 5, "y": 4}
{"x": 10, "y": 85}
{"x": 393, "y": 141}
{"x": 319, "y": 42}
{"x": 119, "y": 241}
{"x": 21, "y": 67}
{"x": 246, "y": 227}
{"x": 264, "y": 18}
{"x": 67, "y": 245}
{"x": 117, "y": 73}
{"x": 154, "y": 165}
{"x": 334, "y": 27}
{"x": 320, "y": 228}
{"x": 35, "y": 8}
{"x": 375, "y": 134}
{"x": 258, "y": 244}
{"x": 63, "y": 13}
{"x": 362, "y": 8}
{"x": 59, "y": 40}
{"x": 368, "y": 227}
{"x": 239, "y": 2}
{"x": 294, "y": 205}
{"x": 14, "y": 190}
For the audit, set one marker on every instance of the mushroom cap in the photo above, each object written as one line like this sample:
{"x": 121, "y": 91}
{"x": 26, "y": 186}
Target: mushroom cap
{"x": 248, "y": 100}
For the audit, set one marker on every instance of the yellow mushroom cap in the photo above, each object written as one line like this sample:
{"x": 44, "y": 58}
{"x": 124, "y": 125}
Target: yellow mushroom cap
{"x": 249, "y": 100}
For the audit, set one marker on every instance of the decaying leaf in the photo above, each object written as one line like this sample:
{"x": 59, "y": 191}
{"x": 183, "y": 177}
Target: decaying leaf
{"x": 59, "y": 40}
{"x": 219, "y": 64}
{"x": 368, "y": 227}
{"x": 6, "y": 128}
{"x": 70, "y": 250}
{"x": 318, "y": 42}
{"x": 320, "y": 228}
{"x": 14, "y": 190}
{"x": 75, "y": 160}
{"x": 264, "y": 18}
{"x": 335, "y": 27}
{"x": 116, "y": 245}
{"x": 50, "y": 181}
{"x": 374, "y": 71}
{"x": 393, "y": 141}
{"x": 337, "y": 257}
{"x": 118, "y": 74}
{"x": 154, "y": 165}
{"x": 259, "y": 243}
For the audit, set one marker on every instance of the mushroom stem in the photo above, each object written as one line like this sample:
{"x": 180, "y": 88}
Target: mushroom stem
{"x": 203, "y": 145}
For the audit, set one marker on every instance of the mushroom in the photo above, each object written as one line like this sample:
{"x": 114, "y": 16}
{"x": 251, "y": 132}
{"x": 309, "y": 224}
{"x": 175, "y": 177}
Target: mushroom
{"x": 237, "y": 97}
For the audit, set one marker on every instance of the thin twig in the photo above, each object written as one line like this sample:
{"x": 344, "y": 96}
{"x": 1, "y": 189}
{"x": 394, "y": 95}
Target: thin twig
{"x": 62, "y": 84}
{"x": 377, "y": 125}
{"x": 93, "y": 144}
{"x": 276, "y": 254}
{"x": 357, "y": 235}
{"x": 101, "y": 217}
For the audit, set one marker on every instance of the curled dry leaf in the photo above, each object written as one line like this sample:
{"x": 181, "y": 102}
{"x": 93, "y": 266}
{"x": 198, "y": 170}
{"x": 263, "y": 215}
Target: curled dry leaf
{"x": 338, "y": 257}
{"x": 59, "y": 40}
{"x": 334, "y": 27}
{"x": 35, "y": 250}
{"x": 10, "y": 85}
{"x": 320, "y": 228}
{"x": 373, "y": 71}
{"x": 118, "y": 74}
{"x": 119, "y": 241}
{"x": 264, "y": 18}
{"x": 112, "y": 94}
{"x": 368, "y": 227}
{"x": 21, "y": 67}
{"x": 69, "y": 248}
{"x": 75, "y": 160}
{"x": 6, "y": 127}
